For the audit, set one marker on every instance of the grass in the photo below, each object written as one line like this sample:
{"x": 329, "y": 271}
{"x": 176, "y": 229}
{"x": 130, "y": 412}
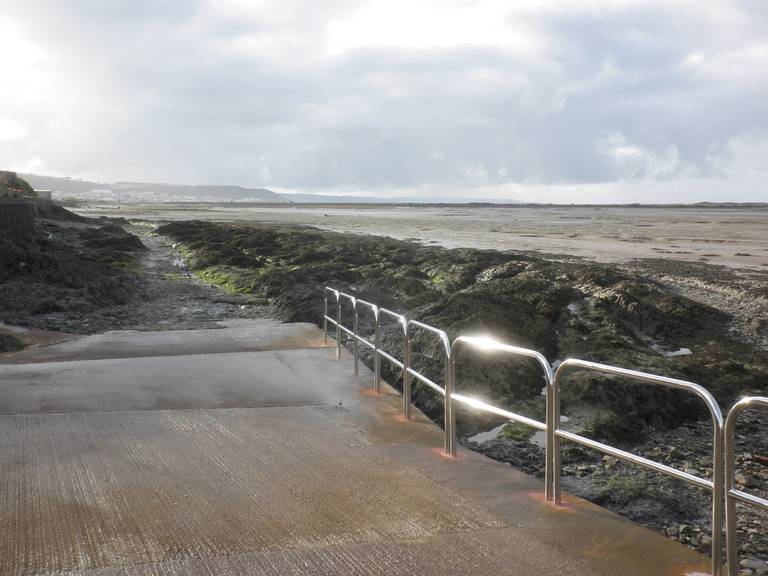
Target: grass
{"x": 517, "y": 431}
{"x": 226, "y": 279}
{"x": 176, "y": 276}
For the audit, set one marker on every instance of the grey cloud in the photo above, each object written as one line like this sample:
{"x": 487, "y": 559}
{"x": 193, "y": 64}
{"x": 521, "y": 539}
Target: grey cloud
{"x": 176, "y": 98}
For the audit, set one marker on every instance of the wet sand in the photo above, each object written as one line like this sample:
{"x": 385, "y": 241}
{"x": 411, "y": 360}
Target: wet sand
{"x": 736, "y": 237}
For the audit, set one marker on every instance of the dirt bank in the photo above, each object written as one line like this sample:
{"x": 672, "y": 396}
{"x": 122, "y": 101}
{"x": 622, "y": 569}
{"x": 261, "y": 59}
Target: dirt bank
{"x": 84, "y": 276}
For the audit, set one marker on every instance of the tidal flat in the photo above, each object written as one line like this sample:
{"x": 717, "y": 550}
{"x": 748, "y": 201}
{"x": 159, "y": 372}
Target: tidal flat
{"x": 714, "y": 254}
{"x": 734, "y": 236}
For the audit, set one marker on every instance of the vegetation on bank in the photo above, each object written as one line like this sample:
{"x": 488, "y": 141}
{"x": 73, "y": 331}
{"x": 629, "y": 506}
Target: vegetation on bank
{"x": 11, "y": 186}
{"x": 563, "y": 309}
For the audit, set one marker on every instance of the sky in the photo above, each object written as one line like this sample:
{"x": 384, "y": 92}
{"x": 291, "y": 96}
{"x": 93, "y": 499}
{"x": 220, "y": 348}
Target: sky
{"x": 553, "y": 101}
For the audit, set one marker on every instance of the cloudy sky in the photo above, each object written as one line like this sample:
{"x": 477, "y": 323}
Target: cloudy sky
{"x": 561, "y": 101}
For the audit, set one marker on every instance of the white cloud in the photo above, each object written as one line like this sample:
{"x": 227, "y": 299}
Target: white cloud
{"x": 405, "y": 24}
{"x": 634, "y": 161}
{"x": 11, "y": 130}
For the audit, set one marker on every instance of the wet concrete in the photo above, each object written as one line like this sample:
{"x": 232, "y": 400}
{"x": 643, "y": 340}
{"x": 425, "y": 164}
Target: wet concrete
{"x": 230, "y": 336}
{"x": 269, "y": 462}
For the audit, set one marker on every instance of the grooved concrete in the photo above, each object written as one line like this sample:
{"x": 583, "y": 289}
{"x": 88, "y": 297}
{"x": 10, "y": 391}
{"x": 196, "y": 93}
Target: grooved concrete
{"x": 231, "y": 336}
{"x": 482, "y": 552}
{"x": 85, "y": 490}
{"x": 173, "y": 465}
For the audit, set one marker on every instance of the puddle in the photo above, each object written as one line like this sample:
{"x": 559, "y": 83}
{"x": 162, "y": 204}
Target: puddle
{"x": 681, "y": 352}
{"x": 486, "y": 436}
{"x": 670, "y": 353}
{"x": 539, "y": 437}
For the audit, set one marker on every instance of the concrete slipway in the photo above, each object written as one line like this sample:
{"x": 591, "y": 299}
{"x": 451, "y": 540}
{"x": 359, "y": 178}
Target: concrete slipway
{"x": 252, "y": 450}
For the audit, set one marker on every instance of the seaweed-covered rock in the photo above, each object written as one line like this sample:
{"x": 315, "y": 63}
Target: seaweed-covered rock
{"x": 67, "y": 270}
{"x": 563, "y": 309}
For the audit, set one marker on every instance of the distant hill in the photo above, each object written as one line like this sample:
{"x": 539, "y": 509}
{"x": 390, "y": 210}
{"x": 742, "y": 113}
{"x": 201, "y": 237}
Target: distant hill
{"x": 338, "y": 199}
{"x": 149, "y": 192}
{"x": 72, "y": 188}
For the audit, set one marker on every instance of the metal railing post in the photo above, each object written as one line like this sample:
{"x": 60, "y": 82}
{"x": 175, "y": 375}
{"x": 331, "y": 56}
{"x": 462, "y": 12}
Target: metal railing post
{"x": 555, "y": 458}
{"x": 552, "y": 415}
{"x": 338, "y": 326}
{"x": 449, "y": 417}
{"x": 731, "y": 493}
{"x": 406, "y": 374}
{"x": 354, "y": 339}
{"x": 718, "y": 489}
{"x": 325, "y": 314}
{"x": 376, "y": 357}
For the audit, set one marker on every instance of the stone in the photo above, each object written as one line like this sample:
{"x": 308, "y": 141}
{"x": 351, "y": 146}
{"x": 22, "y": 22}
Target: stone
{"x": 748, "y": 480}
{"x": 753, "y": 564}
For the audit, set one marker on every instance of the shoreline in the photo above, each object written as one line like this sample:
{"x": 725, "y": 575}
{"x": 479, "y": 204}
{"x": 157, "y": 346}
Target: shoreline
{"x": 733, "y": 237}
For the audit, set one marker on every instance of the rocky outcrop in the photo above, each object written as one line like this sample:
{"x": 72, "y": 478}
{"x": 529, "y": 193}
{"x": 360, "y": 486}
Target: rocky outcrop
{"x": 17, "y": 219}
{"x": 56, "y": 266}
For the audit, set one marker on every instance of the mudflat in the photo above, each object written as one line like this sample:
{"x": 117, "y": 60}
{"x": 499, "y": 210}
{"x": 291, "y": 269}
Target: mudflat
{"x": 734, "y": 236}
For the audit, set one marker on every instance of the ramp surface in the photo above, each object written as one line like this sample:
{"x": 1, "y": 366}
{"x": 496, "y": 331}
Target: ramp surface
{"x": 267, "y": 462}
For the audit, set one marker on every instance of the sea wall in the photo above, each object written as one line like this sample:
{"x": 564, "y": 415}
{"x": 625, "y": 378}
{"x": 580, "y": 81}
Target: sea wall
{"x": 16, "y": 219}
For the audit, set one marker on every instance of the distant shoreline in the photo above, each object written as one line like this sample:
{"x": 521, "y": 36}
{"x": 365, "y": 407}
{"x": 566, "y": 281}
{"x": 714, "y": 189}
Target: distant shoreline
{"x": 195, "y": 204}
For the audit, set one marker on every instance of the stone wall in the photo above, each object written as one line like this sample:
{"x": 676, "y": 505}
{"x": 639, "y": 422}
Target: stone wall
{"x": 16, "y": 219}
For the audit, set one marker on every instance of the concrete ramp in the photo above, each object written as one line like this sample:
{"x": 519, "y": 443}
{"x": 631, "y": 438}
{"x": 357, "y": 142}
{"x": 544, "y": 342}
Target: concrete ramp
{"x": 230, "y": 336}
{"x": 269, "y": 462}
{"x": 243, "y": 379}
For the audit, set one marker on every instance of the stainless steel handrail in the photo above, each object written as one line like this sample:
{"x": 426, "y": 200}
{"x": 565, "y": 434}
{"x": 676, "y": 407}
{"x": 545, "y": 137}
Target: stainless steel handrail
{"x": 490, "y": 345}
{"x": 715, "y": 485}
{"x": 731, "y": 492}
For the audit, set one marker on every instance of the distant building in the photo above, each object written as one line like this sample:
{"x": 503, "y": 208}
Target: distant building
{"x": 43, "y": 194}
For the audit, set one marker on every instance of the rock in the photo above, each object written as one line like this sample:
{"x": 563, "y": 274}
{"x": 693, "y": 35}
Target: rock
{"x": 705, "y": 544}
{"x": 676, "y": 454}
{"x": 753, "y": 564}
{"x": 748, "y": 480}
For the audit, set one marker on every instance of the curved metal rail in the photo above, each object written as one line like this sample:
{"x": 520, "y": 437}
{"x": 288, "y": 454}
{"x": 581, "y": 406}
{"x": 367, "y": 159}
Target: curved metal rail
{"x": 485, "y": 344}
{"x": 720, "y": 485}
{"x": 443, "y": 336}
{"x": 715, "y": 485}
{"x": 732, "y": 494}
